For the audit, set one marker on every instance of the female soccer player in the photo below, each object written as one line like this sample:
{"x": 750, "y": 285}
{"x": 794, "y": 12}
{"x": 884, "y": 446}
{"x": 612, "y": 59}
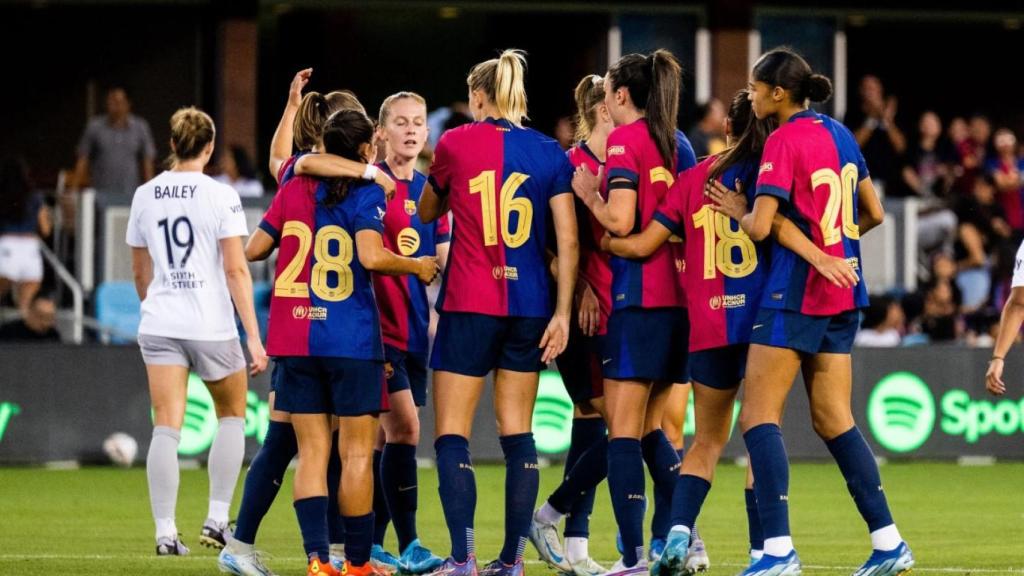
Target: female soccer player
{"x": 185, "y": 230}
{"x": 502, "y": 182}
{"x": 646, "y": 345}
{"x": 405, "y": 314}
{"x": 1009, "y": 326}
{"x": 325, "y": 334}
{"x": 813, "y": 172}
{"x": 586, "y": 464}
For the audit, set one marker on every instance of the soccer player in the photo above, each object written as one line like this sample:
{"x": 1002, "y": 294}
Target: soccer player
{"x": 301, "y": 125}
{"x": 1009, "y": 326}
{"x": 404, "y": 314}
{"x": 646, "y": 345}
{"x": 812, "y": 171}
{"x": 325, "y": 334}
{"x": 586, "y": 464}
{"x": 503, "y": 182}
{"x": 185, "y": 230}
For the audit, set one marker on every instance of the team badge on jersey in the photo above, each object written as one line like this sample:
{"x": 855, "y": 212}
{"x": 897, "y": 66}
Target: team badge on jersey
{"x": 410, "y": 207}
{"x": 408, "y": 239}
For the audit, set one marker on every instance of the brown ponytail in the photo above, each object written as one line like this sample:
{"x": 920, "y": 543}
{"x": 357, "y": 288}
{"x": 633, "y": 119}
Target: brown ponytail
{"x": 653, "y": 82}
{"x": 313, "y": 113}
{"x": 589, "y": 93}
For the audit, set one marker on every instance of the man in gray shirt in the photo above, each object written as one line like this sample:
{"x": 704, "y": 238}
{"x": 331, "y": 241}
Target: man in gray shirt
{"x": 116, "y": 152}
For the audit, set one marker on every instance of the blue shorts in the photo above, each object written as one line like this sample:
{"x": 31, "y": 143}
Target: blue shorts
{"x": 803, "y": 333}
{"x": 474, "y": 344}
{"x": 580, "y": 366}
{"x": 325, "y": 385}
{"x": 648, "y": 344}
{"x": 409, "y": 373}
{"x": 720, "y": 368}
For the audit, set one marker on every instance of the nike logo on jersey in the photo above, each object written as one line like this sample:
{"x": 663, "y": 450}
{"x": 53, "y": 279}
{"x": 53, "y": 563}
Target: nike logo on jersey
{"x": 605, "y": 361}
{"x": 406, "y": 488}
{"x": 380, "y": 213}
{"x": 756, "y": 326}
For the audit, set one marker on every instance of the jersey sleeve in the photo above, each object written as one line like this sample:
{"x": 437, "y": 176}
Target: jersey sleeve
{"x": 776, "y": 175}
{"x": 623, "y": 162}
{"x": 134, "y": 236}
{"x": 686, "y": 158}
{"x": 273, "y": 218}
{"x": 1018, "y": 268}
{"x": 372, "y": 207}
{"x": 441, "y": 169}
{"x": 442, "y": 230}
{"x": 231, "y": 215}
{"x": 671, "y": 212}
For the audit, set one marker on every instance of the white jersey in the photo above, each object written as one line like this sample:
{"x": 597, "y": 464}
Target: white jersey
{"x": 1018, "y": 268}
{"x": 180, "y": 217}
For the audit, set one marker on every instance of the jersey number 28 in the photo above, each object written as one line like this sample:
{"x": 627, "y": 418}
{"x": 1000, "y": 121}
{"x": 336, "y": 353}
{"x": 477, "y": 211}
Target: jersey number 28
{"x": 287, "y": 284}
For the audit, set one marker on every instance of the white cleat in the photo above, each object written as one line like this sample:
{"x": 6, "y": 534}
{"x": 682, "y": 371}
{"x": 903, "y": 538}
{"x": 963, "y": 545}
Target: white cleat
{"x": 587, "y": 567}
{"x": 620, "y": 569}
{"x": 545, "y": 539}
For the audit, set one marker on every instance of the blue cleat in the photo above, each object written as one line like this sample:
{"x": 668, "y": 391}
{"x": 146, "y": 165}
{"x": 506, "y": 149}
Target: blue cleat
{"x": 418, "y": 560}
{"x": 452, "y": 568}
{"x": 671, "y": 561}
{"x": 499, "y": 568}
{"x": 891, "y": 563}
{"x": 655, "y": 550}
{"x": 788, "y": 565}
{"x": 383, "y": 560}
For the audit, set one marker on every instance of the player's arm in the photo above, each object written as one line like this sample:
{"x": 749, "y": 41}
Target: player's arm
{"x": 869, "y": 207}
{"x": 142, "y": 270}
{"x": 1009, "y": 327}
{"x": 836, "y": 270}
{"x": 281, "y": 144}
{"x": 442, "y": 255}
{"x": 618, "y": 214}
{"x": 375, "y": 257}
{"x": 331, "y": 166}
{"x": 432, "y": 205}
{"x": 563, "y": 215}
{"x": 260, "y": 246}
{"x": 236, "y": 272}
{"x": 639, "y": 245}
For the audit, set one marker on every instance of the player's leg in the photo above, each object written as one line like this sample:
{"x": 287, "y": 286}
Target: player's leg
{"x": 358, "y": 436}
{"x": 313, "y": 435}
{"x": 754, "y": 533}
{"x": 662, "y": 462}
{"x": 335, "y": 524}
{"x": 381, "y": 558}
{"x": 674, "y": 421}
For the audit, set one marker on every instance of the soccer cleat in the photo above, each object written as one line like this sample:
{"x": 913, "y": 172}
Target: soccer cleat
{"x": 318, "y": 568}
{"x": 587, "y": 567}
{"x": 672, "y": 560}
{"x": 890, "y": 563}
{"x": 452, "y": 568}
{"x": 499, "y": 568}
{"x": 620, "y": 569}
{"x": 755, "y": 555}
{"x": 655, "y": 550}
{"x": 383, "y": 560}
{"x": 214, "y": 534}
{"x": 697, "y": 556}
{"x": 368, "y": 569}
{"x": 242, "y": 563}
{"x": 337, "y": 556}
{"x": 545, "y": 539}
{"x": 167, "y": 546}
{"x": 416, "y": 559}
{"x": 788, "y": 565}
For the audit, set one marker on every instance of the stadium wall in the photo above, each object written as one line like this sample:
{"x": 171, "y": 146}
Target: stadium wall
{"x": 58, "y": 403}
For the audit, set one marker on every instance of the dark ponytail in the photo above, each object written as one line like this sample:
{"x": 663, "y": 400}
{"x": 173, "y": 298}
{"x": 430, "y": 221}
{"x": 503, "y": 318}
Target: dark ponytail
{"x": 748, "y": 137}
{"x": 788, "y": 70}
{"x": 653, "y": 82}
{"x": 344, "y": 133}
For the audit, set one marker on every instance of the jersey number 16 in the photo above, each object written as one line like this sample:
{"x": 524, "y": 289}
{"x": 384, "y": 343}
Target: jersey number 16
{"x": 484, "y": 185}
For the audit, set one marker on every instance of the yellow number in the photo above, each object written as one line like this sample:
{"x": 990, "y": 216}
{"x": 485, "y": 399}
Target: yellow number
{"x": 719, "y": 241}
{"x": 662, "y": 174}
{"x": 287, "y": 285}
{"x": 484, "y": 185}
{"x": 840, "y": 201}
{"x": 338, "y": 263}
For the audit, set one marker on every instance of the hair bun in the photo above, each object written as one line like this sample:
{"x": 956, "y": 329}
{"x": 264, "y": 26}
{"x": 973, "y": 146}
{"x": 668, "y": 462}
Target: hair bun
{"x": 818, "y": 88}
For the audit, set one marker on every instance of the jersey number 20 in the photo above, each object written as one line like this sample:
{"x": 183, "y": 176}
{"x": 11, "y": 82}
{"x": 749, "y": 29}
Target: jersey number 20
{"x": 484, "y": 185}
{"x": 287, "y": 284}
{"x": 840, "y": 198}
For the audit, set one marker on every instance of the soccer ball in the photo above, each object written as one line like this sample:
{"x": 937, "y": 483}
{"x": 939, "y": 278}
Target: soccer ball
{"x": 121, "y": 449}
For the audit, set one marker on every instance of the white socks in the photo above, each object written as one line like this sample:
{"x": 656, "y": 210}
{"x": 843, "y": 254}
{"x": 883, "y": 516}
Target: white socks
{"x": 224, "y": 465}
{"x": 162, "y": 474}
{"x": 576, "y": 549}
{"x": 778, "y": 546}
{"x": 886, "y": 539}
{"x": 546, "y": 514}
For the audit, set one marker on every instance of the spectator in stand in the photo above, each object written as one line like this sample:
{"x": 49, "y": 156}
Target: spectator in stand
{"x": 972, "y": 151}
{"x": 882, "y": 324}
{"x": 438, "y": 119}
{"x": 116, "y": 152}
{"x": 928, "y": 173}
{"x": 940, "y": 320}
{"x": 880, "y": 139}
{"x": 237, "y": 171}
{"x": 23, "y": 218}
{"x": 37, "y": 325}
{"x": 982, "y": 229}
{"x": 708, "y": 135}
{"x": 1006, "y": 167}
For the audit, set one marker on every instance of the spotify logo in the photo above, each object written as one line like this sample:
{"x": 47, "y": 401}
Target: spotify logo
{"x": 408, "y": 241}
{"x": 901, "y": 412}
{"x": 552, "y": 415}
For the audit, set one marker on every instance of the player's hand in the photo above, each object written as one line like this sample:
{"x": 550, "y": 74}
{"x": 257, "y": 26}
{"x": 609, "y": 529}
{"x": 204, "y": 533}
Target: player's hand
{"x": 555, "y": 338}
{"x": 428, "y": 269}
{"x": 837, "y": 271}
{"x": 994, "y": 377}
{"x": 731, "y": 203}
{"x": 385, "y": 182}
{"x": 258, "y": 355}
{"x": 586, "y": 184}
{"x": 590, "y": 309}
{"x": 298, "y": 83}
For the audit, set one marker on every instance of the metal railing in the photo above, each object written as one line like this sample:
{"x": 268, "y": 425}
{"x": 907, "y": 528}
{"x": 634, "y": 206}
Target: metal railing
{"x": 77, "y": 294}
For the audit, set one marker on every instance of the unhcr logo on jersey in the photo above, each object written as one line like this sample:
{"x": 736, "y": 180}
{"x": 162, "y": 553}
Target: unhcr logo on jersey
{"x": 309, "y": 313}
{"x": 506, "y": 272}
{"x": 728, "y": 301}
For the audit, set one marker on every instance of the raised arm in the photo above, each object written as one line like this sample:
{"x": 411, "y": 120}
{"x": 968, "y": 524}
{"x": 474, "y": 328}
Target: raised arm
{"x": 281, "y": 144}
{"x": 331, "y": 166}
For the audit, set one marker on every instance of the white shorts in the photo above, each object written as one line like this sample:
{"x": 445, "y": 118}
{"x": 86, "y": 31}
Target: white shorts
{"x": 210, "y": 359}
{"x": 20, "y": 259}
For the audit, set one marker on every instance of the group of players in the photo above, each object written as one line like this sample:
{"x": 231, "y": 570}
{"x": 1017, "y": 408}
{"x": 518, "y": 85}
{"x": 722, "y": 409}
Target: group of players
{"x": 756, "y": 249}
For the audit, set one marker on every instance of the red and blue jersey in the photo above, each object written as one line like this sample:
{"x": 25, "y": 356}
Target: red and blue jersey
{"x": 322, "y": 303}
{"x": 813, "y": 165}
{"x": 402, "y": 300}
{"x": 287, "y": 169}
{"x": 633, "y": 158}
{"x": 499, "y": 179}
{"x": 595, "y": 264}
{"x": 725, "y": 269}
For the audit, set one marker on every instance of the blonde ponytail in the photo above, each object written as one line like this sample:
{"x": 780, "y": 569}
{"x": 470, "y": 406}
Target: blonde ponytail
{"x": 503, "y": 81}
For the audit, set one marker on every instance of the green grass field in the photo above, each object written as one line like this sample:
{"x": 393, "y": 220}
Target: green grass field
{"x": 959, "y": 520}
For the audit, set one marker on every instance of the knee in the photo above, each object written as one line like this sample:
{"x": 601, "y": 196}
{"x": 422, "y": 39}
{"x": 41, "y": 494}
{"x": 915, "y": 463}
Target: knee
{"x": 829, "y": 423}
{"x": 404, "y": 431}
{"x": 709, "y": 445}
